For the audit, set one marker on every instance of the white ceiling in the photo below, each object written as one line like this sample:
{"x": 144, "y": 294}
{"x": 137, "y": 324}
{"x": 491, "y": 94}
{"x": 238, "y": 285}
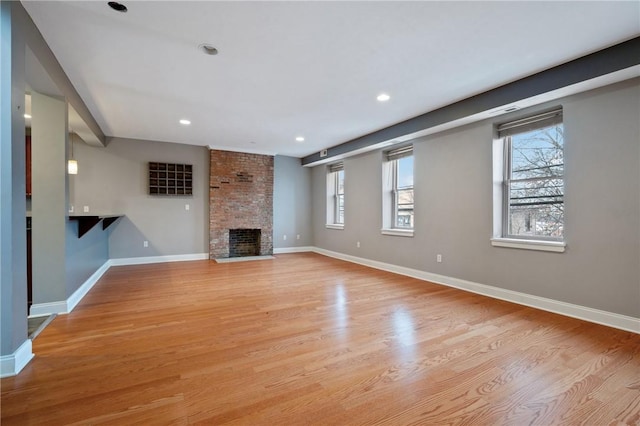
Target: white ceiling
{"x": 306, "y": 68}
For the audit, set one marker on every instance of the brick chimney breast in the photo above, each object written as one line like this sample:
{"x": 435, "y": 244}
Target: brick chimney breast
{"x": 240, "y": 197}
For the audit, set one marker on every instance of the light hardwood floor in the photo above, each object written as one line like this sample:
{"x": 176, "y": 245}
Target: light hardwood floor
{"x": 306, "y": 339}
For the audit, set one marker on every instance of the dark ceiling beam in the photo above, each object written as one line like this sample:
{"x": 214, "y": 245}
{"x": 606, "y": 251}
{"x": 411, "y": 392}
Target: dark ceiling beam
{"x": 41, "y": 50}
{"x": 612, "y": 59}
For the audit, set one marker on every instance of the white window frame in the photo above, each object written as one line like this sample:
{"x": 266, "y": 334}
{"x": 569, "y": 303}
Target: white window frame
{"x": 390, "y": 191}
{"x": 502, "y": 181}
{"x": 333, "y": 196}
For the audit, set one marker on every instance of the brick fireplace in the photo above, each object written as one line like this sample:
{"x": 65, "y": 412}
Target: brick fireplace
{"x": 240, "y": 199}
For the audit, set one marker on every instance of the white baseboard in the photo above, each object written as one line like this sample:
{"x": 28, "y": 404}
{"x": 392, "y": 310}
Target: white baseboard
{"x": 82, "y": 291}
{"x": 597, "y": 316}
{"x": 45, "y": 309}
{"x": 66, "y": 306}
{"x": 285, "y": 250}
{"x": 158, "y": 259}
{"x": 10, "y": 365}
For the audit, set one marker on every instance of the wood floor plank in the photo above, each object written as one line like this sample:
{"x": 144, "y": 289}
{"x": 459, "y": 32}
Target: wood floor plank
{"x": 307, "y": 339}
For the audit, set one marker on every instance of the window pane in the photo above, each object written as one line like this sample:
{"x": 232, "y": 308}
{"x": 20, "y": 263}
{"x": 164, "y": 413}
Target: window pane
{"x": 537, "y": 153}
{"x": 404, "y": 212}
{"x": 403, "y": 198}
{"x": 339, "y": 212}
{"x": 536, "y": 221}
{"x": 536, "y": 186}
{"x": 405, "y": 172}
{"x": 335, "y": 190}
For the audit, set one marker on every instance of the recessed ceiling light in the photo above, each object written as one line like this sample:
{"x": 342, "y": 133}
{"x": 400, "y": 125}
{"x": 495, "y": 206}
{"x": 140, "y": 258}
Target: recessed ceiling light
{"x": 299, "y": 139}
{"x": 27, "y": 116}
{"x": 208, "y": 49}
{"x": 117, "y": 6}
{"x": 185, "y": 122}
{"x": 383, "y": 97}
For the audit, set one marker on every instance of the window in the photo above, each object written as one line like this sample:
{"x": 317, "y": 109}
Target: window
{"x": 531, "y": 174}
{"x": 335, "y": 195}
{"x": 339, "y": 197}
{"x": 398, "y": 214}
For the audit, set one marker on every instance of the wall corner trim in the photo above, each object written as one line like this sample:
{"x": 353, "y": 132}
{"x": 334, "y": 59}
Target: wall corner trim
{"x": 597, "y": 316}
{"x": 11, "y": 365}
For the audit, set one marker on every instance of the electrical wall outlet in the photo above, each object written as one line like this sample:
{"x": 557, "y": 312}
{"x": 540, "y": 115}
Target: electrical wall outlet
{"x": 85, "y": 209}
{"x": 284, "y": 237}
{"x": 145, "y": 244}
{"x": 70, "y": 209}
{"x": 187, "y": 207}
{"x": 439, "y": 258}
{"x": 358, "y": 244}
{"x": 298, "y": 237}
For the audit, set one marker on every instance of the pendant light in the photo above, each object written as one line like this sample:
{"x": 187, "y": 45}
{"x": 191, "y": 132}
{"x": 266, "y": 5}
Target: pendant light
{"x": 72, "y": 165}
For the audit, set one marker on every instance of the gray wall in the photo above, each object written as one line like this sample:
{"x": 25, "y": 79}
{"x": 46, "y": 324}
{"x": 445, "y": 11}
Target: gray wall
{"x": 453, "y": 201}
{"x": 291, "y": 203}
{"x": 85, "y": 255}
{"x": 49, "y": 197}
{"x": 13, "y": 242}
{"x": 115, "y": 180}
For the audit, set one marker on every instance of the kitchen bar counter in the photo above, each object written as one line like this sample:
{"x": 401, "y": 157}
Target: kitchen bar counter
{"x": 86, "y": 221}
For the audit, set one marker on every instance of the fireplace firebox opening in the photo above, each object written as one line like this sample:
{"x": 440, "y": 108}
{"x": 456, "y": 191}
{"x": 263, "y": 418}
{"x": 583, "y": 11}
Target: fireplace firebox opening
{"x": 244, "y": 242}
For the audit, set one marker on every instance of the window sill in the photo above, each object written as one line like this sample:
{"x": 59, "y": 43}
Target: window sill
{"x": 554, "y": 246}
{"x": 334, "y": 226}
{"x": 397, "y": 232}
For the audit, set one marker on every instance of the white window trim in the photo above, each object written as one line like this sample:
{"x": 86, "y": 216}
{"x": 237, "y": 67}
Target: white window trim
{"x": 553, "y": 246}
{"x": 389, "y": 197}
{"x": 331, "y": 200}
{"x": 398, "y": 232}
{"x": 500, "y": 210}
